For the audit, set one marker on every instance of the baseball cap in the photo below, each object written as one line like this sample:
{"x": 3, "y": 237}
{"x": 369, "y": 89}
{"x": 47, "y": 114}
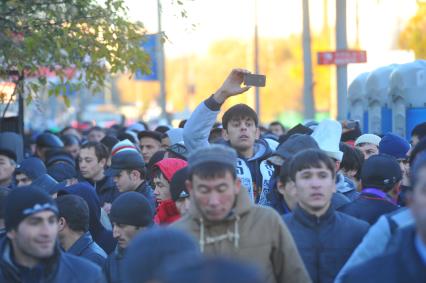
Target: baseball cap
{"x": 125, "y": 160}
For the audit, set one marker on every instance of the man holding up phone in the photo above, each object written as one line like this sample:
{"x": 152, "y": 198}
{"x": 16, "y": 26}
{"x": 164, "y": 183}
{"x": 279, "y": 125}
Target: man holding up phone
{"x": 240, "y": 131}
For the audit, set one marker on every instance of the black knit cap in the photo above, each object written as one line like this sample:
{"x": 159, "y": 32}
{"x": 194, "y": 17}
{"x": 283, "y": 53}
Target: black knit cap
{"x": 26, "y": 201}
{"x": 131, "y": 208}
{"x": 380, "y": 171}
{"x": 177, "y": 185}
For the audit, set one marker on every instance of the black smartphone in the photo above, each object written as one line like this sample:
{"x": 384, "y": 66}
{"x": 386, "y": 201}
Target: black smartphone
{"x": 254, "y": 80}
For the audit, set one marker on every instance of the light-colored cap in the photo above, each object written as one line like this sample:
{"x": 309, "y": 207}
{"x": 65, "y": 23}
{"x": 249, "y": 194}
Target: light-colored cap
{"x": 328, "y": 134}
{"x": 368, "y": 138}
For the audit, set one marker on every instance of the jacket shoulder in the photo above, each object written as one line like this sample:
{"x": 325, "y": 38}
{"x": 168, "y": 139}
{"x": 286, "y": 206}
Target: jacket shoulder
{"x": 95, "y": 254}
{"x": 79, "y": 268}
{"x": 367, "y": 271}
{"x": 265, "y": 212}
{"x": 352, "y": 223}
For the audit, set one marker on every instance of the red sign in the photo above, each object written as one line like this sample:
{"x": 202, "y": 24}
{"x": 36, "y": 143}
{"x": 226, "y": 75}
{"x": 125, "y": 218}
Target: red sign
{"x": 342, "y": 57}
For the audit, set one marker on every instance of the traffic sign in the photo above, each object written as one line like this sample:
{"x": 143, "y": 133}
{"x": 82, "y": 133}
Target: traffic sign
{"x": 341, "y": 57}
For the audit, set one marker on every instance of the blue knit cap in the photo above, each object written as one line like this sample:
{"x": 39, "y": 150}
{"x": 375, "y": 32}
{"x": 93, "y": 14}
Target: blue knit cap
{"x": 33, "y": 167}
{"x": 394, "y": 145}
{"x": 151, "y": 248}
{"x": 26, "y": 201}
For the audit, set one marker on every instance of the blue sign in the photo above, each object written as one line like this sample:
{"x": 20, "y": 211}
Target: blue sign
{"x": 386, "y": 120}
{"x": 149, "y": 46}
{"x": 414, "y": 116}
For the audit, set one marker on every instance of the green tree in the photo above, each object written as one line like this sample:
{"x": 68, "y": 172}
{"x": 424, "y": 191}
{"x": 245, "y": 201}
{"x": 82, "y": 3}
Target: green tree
{"x": 93, "y": 37}
{"x": 413, "y": 36}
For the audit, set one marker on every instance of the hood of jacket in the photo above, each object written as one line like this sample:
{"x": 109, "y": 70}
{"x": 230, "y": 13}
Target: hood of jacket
{"x": 167, "y": 212}
{"x": 343, "y": 184}
{"x": 169, "y": 166}
{"x": 88, "y": 193}
{"x": 101, "y": 236}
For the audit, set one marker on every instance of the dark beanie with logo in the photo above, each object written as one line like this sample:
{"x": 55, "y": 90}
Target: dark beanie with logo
{"x": 132, "y": 208}
{"x": 26, "y": 201}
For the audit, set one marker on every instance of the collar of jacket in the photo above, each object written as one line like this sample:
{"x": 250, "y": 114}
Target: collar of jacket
{"x": 8, "y": 265}
{"x": 81, "y": 244}
{"x": 107, "y": 183}
{"x": 312, "y": 220}
{"x": 143, "y": 187}
{"x": 262, "y": 150}
{"x": 343, "y": 184}
{"x": 167, "y": 208}
{"x": 241, "y": 207}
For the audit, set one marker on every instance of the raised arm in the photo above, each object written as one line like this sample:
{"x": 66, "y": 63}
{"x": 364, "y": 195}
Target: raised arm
{"x": 197, "y": 128}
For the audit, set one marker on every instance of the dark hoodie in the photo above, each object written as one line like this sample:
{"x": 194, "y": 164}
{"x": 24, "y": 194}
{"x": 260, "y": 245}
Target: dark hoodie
{"x": 102, "y": 236}
{"x": 105, "y": 189}
{"x": 254, "y": 172}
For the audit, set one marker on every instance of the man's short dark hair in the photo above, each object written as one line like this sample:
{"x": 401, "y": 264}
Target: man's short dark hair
{"x": 352, "y": 159}
{"x": 101, "y": 151}
{"x": 277, "y": 123}
{"x": 182, "y": 123}
{"x": 419, "y": 148}
{"x": 419, "y": 130}
{"x": 237, "y": 112}
{"x": 418, "y": 164}
{"x": 96, "y": 128}
{"x": 212, "y": 170}
{"x": 142, "y": 172}
{"x": 285, "y": 172}
{"x": 310, "y": 158}
{"x": 70, "y": 140}
{"x": 75, "y": 211}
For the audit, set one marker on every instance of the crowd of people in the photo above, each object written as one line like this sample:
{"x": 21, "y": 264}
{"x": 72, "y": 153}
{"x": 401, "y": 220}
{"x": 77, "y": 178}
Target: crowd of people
{"x": 214, "y": 202}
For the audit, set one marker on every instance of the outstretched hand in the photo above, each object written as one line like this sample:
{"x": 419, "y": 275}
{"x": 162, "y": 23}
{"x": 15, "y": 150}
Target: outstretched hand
{"x": 232, "y": 85}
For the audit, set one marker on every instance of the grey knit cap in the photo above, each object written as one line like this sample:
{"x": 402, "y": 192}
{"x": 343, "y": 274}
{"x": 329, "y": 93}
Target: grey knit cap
{"x": 214, "y": 153}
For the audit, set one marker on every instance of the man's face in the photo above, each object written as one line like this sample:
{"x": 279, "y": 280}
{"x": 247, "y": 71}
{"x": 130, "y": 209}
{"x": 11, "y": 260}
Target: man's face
{"x": 162, "y": 189}
{"x": 404, "y": 164}
{"x": 418, "y": 201}
{"x": 95, "y": 136}
{"x": 165, "y": 142}
{"x": 215, "y": 197}
{"x": 22, "y": 180}
{"x": 124, "y": 181}
{"x": 7, "y": 166}
{"x": 35, "y": 236}
{"x": 124, "y": 233}
{"x": 241, "y": 133}
{"x": 314, "y": 188}
{"x": 276, "y": 130}
{"x": 90, "y": 167}
{"x": 149, "y": 147}
{"x": 74, "y": 150}
{"x": 368, "y": 149}
{"x": 183, "y": 205}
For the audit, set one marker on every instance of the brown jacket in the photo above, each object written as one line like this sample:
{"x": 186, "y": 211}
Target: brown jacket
{"x": 252, "y": 233}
